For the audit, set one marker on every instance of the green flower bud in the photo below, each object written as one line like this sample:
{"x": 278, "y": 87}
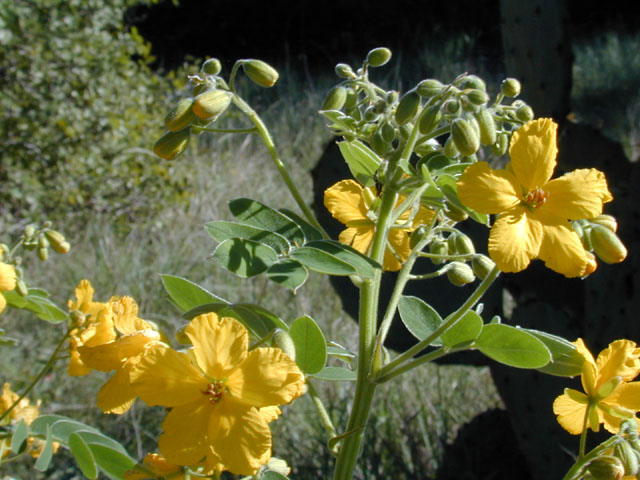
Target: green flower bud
{"x": 524, "y": 113}
{"x": 172, "y": 144}
{"x": 606, "y": 245}
{"x": 344, "y": 71}
{"x": 471, "y": 81}
{"x": 210, "y": 104}
{"x": 180, "y": 116}
{"x": 438, "y": 247}
{"x": 352, "y": 100}
{"x": 430, "y": 119}
{"x": 607, "y": 221}
{"x": 335, "y": 99}
{"x": 465, "y": 138}
{"x": 21, "y": 288}
{"x": 501, "y": 145}
{"x": 408, "y": 107}
{"x": 42, "y": 241}
{"x": 429, "y": 88}
{"x": 455, "y": 213}
{"x": 460, "y": 274}
{"x": 212, "y": 66}
{"x": 392, "y": 97}
{"x": 261, "y": 73}
{"x": 510, "y": 87}
{"x": 452, "y": 106}
{"x": 606, "y": 467}
{"x": 450, "y": 149}
{"x": 283, "y": 341}
{"x": 418, "y": 235}
{"x": 58, "y": 242}
{"x": 378, "y": 143}
{"x": 482, "y": 266}
{"x": 378, "y": 56}
{"x": 43, "y": 254}
{"x": 477, "y": 97}
{"x": 371, "y": 114}
{"x": 487, "y": 126}
{"x": 405, "y": 131}
{"x": 29, "y": 232}
{"x": 627, "y": 456}
{"x": 202, "y": 87}
{"x": 586, "y": 238}
{"x": 463, "y": 244}
{"x": 388, "y": 133}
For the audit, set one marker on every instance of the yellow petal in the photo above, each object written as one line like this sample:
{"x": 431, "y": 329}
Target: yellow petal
{"x": 184, "y": 440}
{"x": 562, "y": 251}
{"x": 345, "y": 202}
{"x": 125, "y": 311}
{"x": 7, "y": 277}
{"x": 423, "y": 217}
{"x": 533, "y": 152}
{"x": 239, "y": 437}
{"x": 622, "y": 358}
{"x": 399, "y": 241}
{"x": 486, "y": 190}
{"x": 266, "y": 377}
{"x": 626, "y": 396}
{"x": 166, "y": 377}
{"x": 359, "y": 238}
{"x": 570, "y": 413}
{"x": 576, "y": 195}
{"x": 589, "y": 370}
{"x": 101, "y": 331}
{"x": 219, "y": 345}
{"x": 270, "y": 413}
{"x": 110, "y": 356}
{"x": 3, "y": 302}
{"x": 117, "y": 395}
{"x": 514, "y": 240}
{"x": 84, "y": 299}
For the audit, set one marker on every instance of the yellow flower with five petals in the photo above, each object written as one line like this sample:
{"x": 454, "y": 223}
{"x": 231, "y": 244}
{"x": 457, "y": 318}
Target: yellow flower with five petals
{"x": 222, "y": 396}
{"x": 610, "y": 395}
{"x": 349, "y": 202}
{"x": 534, "y": 211}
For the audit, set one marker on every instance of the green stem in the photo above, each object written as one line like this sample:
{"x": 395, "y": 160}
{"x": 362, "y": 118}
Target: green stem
{"x": 262, "y": 130}
{"x": 35, "y": 381}
{"x": 464, "y": 308}
{"x": 322, "y": 411}
{"x": 576, "y": 472}
{"x": 365, "y": 389}
{"x": 583, "y": 435}
{"x": 224, "y": 130}
{"x": 440, "y": 352}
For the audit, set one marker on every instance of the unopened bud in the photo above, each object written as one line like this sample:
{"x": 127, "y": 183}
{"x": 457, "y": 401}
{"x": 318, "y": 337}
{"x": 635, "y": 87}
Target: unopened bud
{"x": 278, "y": 465}
{"x": 58, "y": 242}
{"x": 284, "y": 342}
{"x": 77, "y": 317}
{"x": 344, "y": 71}
{"x": 450, "y": 149}
{"x": 462, "y": 244}
{"x": 500, "y": 146}
{"x": 487, "y": 126}
{"x": 460, "y": 274}
{"x": 180, "y": 116}
{"x": 351, "y": 100}
{"x": 607, "y": 221}
{"x": 43, "y": 254}
{"x": 29, "y": 232}
{"x": 407, "y": 107}
{"x": 438, "y": 247}
{"x": 210, "y": 104}
{"x": 388, "y": 133}
{"x": 378, "y": 144}
{"x": 260, "y": 72}
{"x": 465, "y": 138}
{"x": 417, "y": 236}
{"x": 455, "y": 213}
{"x": 452, "y": 106}
{"x": 482, "y": 266}
{"x": 606, "y": 467}
{"x": 42, "y": 241}
{"x": 378, "y": 56}
{"x": 429, "y": 88}
{"x": 627, "y": 456}
{"x": 471, "y": 81}
{"x": 606, "y": 245}
{"x": 524, "y": 113}
{"x": 21, "y": 288}
{"x": 335, "y": 99}
{"x": 172, "y": 144}
{"x": 430, "y": 119}
{"x": 477, "y": 97}
{"x": 510, "y": 87}
{"x": 212, "y": 66}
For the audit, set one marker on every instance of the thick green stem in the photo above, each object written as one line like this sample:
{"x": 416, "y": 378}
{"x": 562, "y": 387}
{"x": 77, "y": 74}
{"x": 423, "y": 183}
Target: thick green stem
{"x": 322, "y": 411}
{"x": 365, "y": 389}
{"x": 429, "y": 357}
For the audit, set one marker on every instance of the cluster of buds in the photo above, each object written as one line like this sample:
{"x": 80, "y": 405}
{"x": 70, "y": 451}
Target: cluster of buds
{"x": 209, "y": 99}
{"x": 620, "y": 461}
{"x": 42, "y": 238}
{"x": 598, "y": 235}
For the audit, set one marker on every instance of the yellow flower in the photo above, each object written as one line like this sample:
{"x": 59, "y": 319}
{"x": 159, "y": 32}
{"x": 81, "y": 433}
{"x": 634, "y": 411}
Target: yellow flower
{"x": 94, "y": 328}
{"x": 7, "y": 282}
{"x": 534, "y": 211}
{"x": 348, "y": 202}
{"x": 222, "y": 396}
{"x": 608, "y": 389}
{"x": 136, "y": 338}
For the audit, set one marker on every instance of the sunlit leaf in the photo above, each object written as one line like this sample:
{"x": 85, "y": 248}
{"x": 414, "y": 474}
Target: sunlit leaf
{"x": 187, "y": 295}
{"x": 361, "y": 160}
{"x": 221, "y": 231}
{"x": 311, "y": 347}
{"x": 419, "y": 317}
{"x": 83, "y": 456}
{"x": 322, "y": 262}
{"x": 464, "y": 331}
{"x": 512, "y": 346}
{"x": 289, "y": 273}
{"x": 256, "y": 214}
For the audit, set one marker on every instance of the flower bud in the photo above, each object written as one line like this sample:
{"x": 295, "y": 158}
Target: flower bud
{"x": 261, "y": 73}
{"x": 344, "y": 71}
{"x": 455, "y": 213}
{"x": 202, "y": 87}
{"x": 58, "y": 242}
{"x": 351, "y": 100}
{"x": 607, "y": 221}
{"x": 283, "y": 341}
{"x": 452, "y": 106}
{"x": 172, "y": 144}
{"x": 524, "y": 113}
{"x": 471, "y": 81}
{"x": 592, "y": 265}
{"x": 438, "y": 247}
{"x": 460, "y": 274}
{"x": 627, "y": 456}
{"x": 388, "y": 133}
{"x": 429, "y": 88}
{"x": 465, "y": 138}
{"x": 43, "y": 254}
{"x": 278, "y": 465}
{"x": 210, "y": 104}
{"x": 378, "y": 56}
{"x": 212, "y": 66}
{"x": 29, "y": 232}
{"x": 335, "y": 99}
{"x": 463, "y": 244}
{"x": 21, "y": 288}
{"x": 378, "y": 143}
{"x": 180, "y": 116}
{"x": 606, "y": 467}
{"x": 450, "y": 149}
{"x": 371, "y": 114}
{"x": 500, "y": 146}
{"x": 477, "y": 97}
{"x": 487, "y": 126}
{"x": 418, "y": 235}
{"x": 430, "y": 119}
{"x": 606, "y": 245}
{"x": 407, "y": 107}
{"x": 42, "y": 241}
{"x": 510, "y": 87}
{"x": 482, "y": 266}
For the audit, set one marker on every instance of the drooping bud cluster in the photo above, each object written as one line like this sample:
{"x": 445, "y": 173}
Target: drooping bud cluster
{"x": 598, "y": 235}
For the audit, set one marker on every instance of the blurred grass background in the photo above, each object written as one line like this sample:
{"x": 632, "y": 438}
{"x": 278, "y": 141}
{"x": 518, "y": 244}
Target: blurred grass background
{"x": 158, "y": 229}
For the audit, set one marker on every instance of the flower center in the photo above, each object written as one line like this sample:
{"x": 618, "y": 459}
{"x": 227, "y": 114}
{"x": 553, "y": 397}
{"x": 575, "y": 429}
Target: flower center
{"x": 215, "y": 391}
{"x": 536, "y": 198}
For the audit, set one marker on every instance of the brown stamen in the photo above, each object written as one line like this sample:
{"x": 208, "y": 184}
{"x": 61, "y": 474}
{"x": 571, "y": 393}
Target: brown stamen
{"x": 215, "y": 391}
{"x": 536, "y": 198}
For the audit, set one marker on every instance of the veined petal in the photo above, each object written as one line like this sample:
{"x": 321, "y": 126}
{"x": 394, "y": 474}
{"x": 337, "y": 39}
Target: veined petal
{"x": 125, "y": 312}
{"x": 270, "y": 413}
{"x": 562, "y": 251}
{"x": 100, "y": 332}
{"x": 84, "y": 299}
{"x": 627, "y": 396}
{"x": 117, "y": 395}
{"x": 266, "y": 377}
{"x": 514, "y": 240}
{"x": 240, "y": 437}
{"x": 610, "y": 418}
{"x": 110, "y": 356}
{"x": 589, "y": 370}
{"x": 399, "y": 241}
{"x": 359, "y": 238}
{"x": 576, "y": 195}
{"x": 570, "y": 413}
{"x": 184, "y": 440}
{"x": 220, "y": 345}
{"x": 166, "y": 377}
{"x": 486, "y": 190}
{"x": 345, "y": 202}
{"x": 622, "y": 358}
{"x": 533, "y": 152}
